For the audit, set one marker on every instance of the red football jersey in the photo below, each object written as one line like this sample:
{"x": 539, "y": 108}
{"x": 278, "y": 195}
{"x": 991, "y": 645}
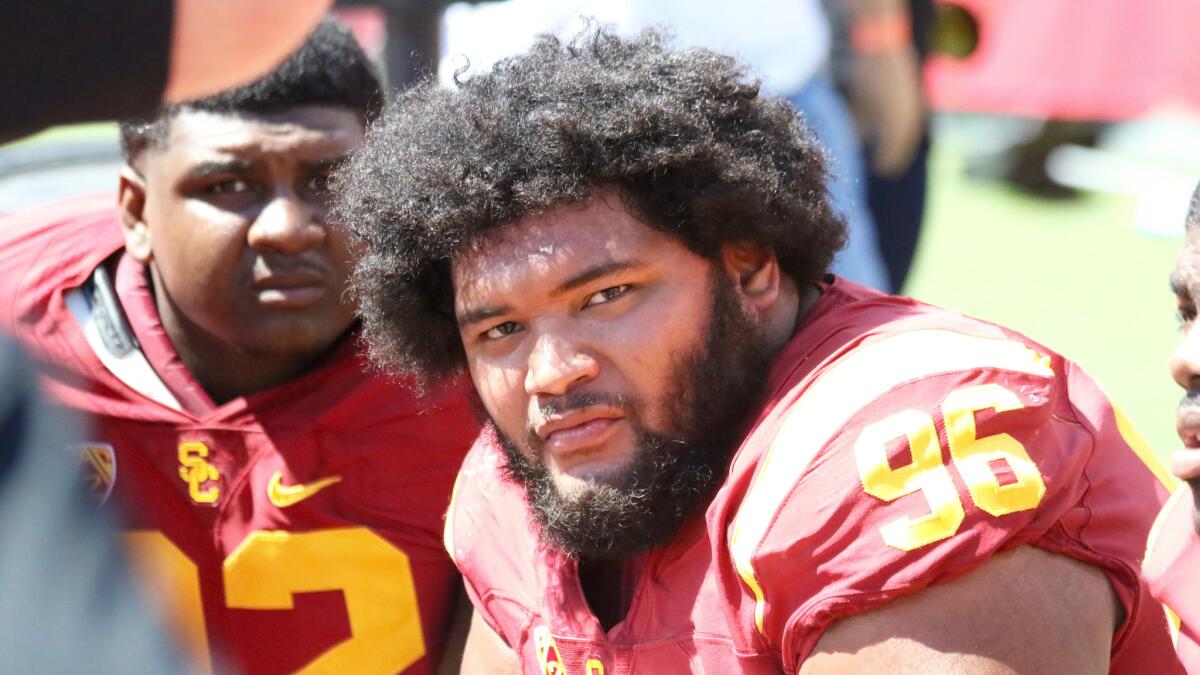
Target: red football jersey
{"x": 297, "y": 529}
{"x": 1173, "y": 571}
{"x": 899, "y": 445}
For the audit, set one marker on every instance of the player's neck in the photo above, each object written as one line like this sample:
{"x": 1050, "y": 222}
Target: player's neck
{"x": 608, "y": 587}
{"x": 786, "y": 316}
{"x": 225, "y": 372}
{"x": 222, "y": 369}
{"x": 807, "y": 298}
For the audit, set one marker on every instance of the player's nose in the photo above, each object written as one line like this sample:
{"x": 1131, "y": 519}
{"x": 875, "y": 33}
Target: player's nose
{"x": 556, "y": 364}
{"x": 287, "y": 224}
{"x": 1185, "y": 360}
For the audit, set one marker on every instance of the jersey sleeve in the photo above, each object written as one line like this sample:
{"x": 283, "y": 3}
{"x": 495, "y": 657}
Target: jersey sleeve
{"x": 911, "y": 460}
{"x": 48, "y": 247}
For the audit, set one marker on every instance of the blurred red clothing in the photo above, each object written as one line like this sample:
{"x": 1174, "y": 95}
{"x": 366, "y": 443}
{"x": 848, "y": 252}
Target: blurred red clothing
{"x": 1101, "y": 60}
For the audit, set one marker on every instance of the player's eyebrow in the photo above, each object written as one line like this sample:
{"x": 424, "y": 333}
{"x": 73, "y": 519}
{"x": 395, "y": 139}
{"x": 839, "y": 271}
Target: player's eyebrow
{"x": 587, "y": 276}
{"x": 471, "y": 316}
{"x": 324, "y": 165}
{"x": 594, "y": 273}
{"x": 1179, "y": 286}
{"x": 216, "y": 168}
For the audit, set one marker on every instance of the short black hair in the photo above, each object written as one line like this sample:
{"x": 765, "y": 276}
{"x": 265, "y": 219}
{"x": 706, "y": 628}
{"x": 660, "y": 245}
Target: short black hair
{"x": 685, "y": 137}
{"x": 329, "y": 68}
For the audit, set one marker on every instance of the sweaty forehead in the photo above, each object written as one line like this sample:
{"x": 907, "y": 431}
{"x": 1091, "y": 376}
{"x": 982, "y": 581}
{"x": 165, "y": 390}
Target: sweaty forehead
{"x": 306, "y": 130}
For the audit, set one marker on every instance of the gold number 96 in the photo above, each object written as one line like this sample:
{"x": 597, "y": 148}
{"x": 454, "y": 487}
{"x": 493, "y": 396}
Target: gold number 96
{"x": 971, "y": 456}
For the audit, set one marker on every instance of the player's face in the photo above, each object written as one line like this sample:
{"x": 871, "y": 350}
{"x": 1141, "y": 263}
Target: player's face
{"x": 1185, "y": 361}
{"x": 616, "y": 365}
{"x": 235, "y": 207}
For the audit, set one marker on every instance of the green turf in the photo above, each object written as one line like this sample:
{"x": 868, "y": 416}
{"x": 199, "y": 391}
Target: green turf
{"x": 1076, "y": 276}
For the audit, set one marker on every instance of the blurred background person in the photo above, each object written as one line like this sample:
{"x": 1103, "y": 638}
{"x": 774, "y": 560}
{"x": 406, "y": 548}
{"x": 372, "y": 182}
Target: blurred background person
{"x": 877, "y": 59}
{"x": 403, "y": 35}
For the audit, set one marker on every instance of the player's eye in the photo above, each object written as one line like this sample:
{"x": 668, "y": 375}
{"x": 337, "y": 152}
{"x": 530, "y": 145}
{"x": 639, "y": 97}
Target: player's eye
{"x": 317, "y": 184}
{"x": 502, "y": 330}
{"x": 227, "y": 187}
{"x": 1186, "y": 315}
{"x": 607, "y": 295}
{"x": 1185, "y": 311}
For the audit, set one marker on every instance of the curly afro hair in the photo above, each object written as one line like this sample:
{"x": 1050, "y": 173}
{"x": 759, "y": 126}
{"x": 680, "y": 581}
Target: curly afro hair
{"x": 684, "y": 137}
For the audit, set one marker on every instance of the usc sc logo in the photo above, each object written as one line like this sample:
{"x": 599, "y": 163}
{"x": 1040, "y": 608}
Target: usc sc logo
{"x": 196, "y": 471}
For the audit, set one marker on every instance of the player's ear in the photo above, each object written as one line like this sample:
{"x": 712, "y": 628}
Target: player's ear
{"x": 754, "y": 271}
{"x": 131, "y": 203}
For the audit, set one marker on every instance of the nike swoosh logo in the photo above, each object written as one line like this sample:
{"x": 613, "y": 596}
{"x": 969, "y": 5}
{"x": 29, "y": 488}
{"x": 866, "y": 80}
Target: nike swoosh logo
{"x": 284, "y": 496}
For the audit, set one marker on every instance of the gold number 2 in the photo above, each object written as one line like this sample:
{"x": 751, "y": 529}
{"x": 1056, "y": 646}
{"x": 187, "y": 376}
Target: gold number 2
{"x": 270, "y": 566}
{"x": 973, "y": 458}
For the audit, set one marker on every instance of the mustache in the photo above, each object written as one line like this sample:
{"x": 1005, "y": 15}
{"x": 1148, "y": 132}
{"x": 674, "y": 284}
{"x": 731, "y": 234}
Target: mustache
{"x": 579, "y": 400}
{"x": 270, "y": 262}
{"x": 1190, "y": 400}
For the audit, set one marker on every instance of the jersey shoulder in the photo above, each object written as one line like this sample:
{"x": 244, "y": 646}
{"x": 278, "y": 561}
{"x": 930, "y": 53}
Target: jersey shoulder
{"x": 53, "y": 245}
{"x": 46, "y": 248}
{"x": 906, "y": 447}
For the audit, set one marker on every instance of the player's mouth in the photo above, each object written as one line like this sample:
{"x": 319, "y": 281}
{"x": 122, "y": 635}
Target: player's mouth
{"x": 1187, "y": 423}
{"x": 1185, "y": 464}
{"x": 575, "y": 436}
{"x": 290, "y": 289}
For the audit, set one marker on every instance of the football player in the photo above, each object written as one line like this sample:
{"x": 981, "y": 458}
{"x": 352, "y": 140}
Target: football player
{"x": 704, "y": 453}
{"x": 288, "y": 500}
{"x": 1173, "y": 551}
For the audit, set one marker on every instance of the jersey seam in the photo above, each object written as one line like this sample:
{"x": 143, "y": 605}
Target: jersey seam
{"x": 1084, "y": 502}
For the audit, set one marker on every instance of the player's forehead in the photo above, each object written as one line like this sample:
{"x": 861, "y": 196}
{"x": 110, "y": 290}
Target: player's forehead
{"x": 303, "y": 132}
{"x": 542, "y": 252}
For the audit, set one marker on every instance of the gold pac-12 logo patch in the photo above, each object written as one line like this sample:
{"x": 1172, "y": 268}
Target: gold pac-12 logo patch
{"x": 99, "y": 465}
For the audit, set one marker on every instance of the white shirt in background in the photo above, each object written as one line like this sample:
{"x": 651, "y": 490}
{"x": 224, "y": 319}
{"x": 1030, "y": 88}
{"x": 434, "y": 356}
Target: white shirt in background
{"x": 785, "y": 42}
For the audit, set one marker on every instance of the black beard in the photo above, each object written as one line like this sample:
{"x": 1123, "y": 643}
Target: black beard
{"x": 671, "y": 475}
